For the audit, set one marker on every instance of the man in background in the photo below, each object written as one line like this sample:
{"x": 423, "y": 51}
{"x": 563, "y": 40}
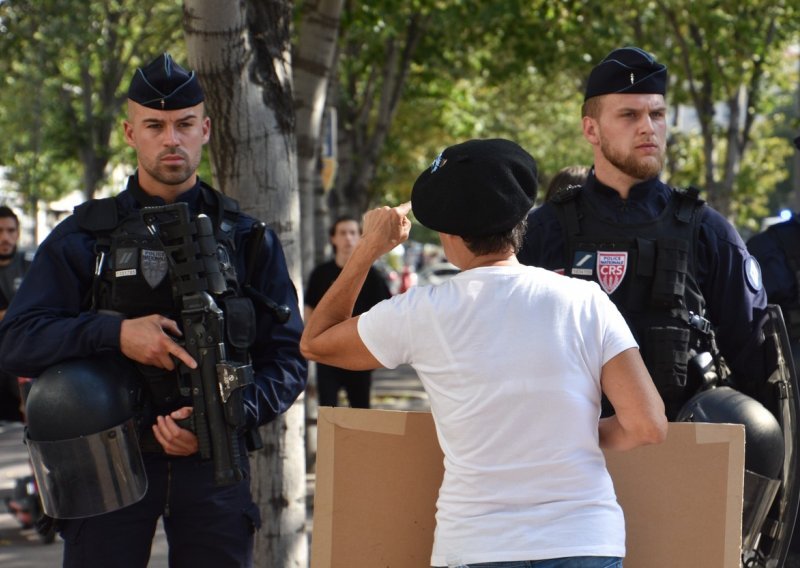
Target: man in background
{"x": 344, "y": 235}
{"x": 13, "y": 263}
{"x": 13, "y": 266}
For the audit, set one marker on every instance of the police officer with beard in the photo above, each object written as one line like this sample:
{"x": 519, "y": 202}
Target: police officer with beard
{"x": 99, "y": 284}
{"x": 682, "y": 278}
{"x": 676, "y": 268}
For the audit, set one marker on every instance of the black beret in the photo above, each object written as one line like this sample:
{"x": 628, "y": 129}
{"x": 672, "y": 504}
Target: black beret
{"x": 797, "y": 142}
{"x": 627, "y": 70}
{"x": 476, "y": 188}
{"x": 164, "y": 85}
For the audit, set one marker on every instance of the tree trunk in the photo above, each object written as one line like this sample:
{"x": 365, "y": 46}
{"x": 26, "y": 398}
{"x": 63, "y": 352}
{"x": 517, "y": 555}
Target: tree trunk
{"x": 312, "y": 62}
{"x": 314, "y": 55}
{"x": 241, "y": 53}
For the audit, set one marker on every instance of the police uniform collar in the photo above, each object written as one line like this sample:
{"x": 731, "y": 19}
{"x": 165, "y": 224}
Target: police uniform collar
{"x": 144, "y": 199}
{"x": 639, "y": 192}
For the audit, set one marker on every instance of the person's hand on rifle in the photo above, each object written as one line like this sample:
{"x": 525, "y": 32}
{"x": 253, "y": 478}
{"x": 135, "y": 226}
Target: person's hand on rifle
{"x": 146, "y": 341}
{"x": 175, "y": 440}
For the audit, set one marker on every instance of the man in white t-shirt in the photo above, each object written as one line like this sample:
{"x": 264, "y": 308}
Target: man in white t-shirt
{"x": 514, "y": 360}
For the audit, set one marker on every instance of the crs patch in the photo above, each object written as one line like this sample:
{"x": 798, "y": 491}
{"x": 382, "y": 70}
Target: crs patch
{"x": 611, "y": 268}
{"x": 583, "y": 263}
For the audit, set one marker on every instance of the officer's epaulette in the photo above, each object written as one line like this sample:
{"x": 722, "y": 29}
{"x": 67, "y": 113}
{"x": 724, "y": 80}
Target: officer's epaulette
{"x": 227, "y": 210}
{"x": 566, "y": 193}
{"x": 228, "y": 204}
{"x": 97, "y": 214}
{"x": 689, "y": 200}
{"x": 691, "y": 192}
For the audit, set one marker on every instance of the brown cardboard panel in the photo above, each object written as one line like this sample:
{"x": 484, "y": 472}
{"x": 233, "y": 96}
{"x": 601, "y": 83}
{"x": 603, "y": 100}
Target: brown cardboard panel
{"x": 683, "y": 499}
{"x": 378, "y": 474}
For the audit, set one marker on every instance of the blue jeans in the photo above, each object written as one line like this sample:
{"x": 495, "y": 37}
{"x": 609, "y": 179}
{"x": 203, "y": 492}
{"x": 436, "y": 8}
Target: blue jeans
{"x": 573, "y": 562}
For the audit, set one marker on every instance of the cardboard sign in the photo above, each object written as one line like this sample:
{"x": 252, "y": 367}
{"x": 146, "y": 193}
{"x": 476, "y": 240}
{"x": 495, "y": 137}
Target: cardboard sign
{"x": 379, "y": 471}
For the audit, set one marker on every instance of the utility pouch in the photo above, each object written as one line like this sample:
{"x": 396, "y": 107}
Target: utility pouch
{"x": 240, "y": 326}
{"x": 667, "y": 358}
{"x": 672, "y": 264}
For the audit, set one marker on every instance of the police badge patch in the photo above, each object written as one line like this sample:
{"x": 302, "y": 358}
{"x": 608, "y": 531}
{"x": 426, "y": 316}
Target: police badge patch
{"x": 125, "y": 262}
{"x": 583, "y": 263}
{"x": 611, "y": 267}
{"x": 154, "y": 266}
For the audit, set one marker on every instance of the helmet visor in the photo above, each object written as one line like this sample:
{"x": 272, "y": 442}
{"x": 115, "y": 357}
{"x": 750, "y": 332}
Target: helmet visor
{"x": 90, "y": 475}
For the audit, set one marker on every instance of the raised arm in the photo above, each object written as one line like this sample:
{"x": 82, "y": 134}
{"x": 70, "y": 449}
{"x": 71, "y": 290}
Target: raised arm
{"x": 639, "y": 417}
{"x": 331, "y": 334}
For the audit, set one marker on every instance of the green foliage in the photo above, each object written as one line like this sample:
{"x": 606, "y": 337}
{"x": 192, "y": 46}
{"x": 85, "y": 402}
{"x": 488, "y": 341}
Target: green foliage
{"x": 517, "y": 69}
{"x": 513, "y": 69}
{"x": 64, "y": 75}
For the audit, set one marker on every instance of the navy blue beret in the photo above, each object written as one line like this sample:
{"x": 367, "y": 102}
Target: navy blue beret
{"x": 164, "y": 85}
{"x": 476, "y": 188}
{"x": 627, "y": 70}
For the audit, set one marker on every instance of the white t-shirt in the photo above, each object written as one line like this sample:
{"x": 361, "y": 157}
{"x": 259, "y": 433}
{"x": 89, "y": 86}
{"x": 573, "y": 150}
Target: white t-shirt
{"x": 511, "y": 358}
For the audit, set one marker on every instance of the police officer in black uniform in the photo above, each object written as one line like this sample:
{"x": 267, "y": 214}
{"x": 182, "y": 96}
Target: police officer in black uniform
{"x": 778, "y": 252}
{"x": 678, "y": 272}
{"x": 100, "y": 284}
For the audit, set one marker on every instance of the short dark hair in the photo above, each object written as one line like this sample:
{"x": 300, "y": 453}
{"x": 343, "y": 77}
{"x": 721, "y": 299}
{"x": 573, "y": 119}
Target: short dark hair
{"x": 342, "y": 219}
{"x": 591, "y": 107}
{"x": 8, "y": 212}
{"x": 498, "y": 242}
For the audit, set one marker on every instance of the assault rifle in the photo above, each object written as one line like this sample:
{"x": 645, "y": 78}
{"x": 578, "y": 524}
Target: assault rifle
{"x": 215, "y": 386}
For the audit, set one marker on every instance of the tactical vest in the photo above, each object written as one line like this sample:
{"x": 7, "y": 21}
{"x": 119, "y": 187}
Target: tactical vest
{"x": 788, "y": 236}
{"x": 132, "y": 276}
{"x": 648, "y": 271}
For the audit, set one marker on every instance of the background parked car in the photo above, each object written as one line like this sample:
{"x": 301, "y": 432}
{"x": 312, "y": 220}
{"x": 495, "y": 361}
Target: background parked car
{"x": 436, "y": 273}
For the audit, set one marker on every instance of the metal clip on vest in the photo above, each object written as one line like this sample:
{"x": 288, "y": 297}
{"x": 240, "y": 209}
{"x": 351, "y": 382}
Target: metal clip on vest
{"x": 699, "y": 323}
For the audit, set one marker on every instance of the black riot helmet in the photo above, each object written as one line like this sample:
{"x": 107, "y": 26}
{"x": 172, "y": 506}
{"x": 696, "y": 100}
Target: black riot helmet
{"x": 82, "y": 438}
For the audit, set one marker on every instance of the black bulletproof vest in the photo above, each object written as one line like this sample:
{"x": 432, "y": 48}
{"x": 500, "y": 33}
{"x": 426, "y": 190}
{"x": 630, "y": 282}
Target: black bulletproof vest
{"x": 648, "y": 271}
{"x": 788, "y": 235}
{"x": 133, "y": 278}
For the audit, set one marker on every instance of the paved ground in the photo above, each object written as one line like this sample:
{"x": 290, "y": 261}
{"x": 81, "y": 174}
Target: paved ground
{"x": 21, "y": 548}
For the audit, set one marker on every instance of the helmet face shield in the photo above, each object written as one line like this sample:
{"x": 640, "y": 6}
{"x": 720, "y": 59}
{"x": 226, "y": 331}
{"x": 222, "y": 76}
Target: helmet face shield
{"x": 759, "y": 494}
{"x": 90, "y": 475}
{"x": 82, "y": 439}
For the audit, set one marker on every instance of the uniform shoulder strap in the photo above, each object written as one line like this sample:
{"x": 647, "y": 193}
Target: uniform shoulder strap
{"x": 227, "y": 210}
{"x": 688, "y": 201}
{"x": 565, "y": 202}
{"x": 564, "y": 194}
{"x": 98, "y": 215}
